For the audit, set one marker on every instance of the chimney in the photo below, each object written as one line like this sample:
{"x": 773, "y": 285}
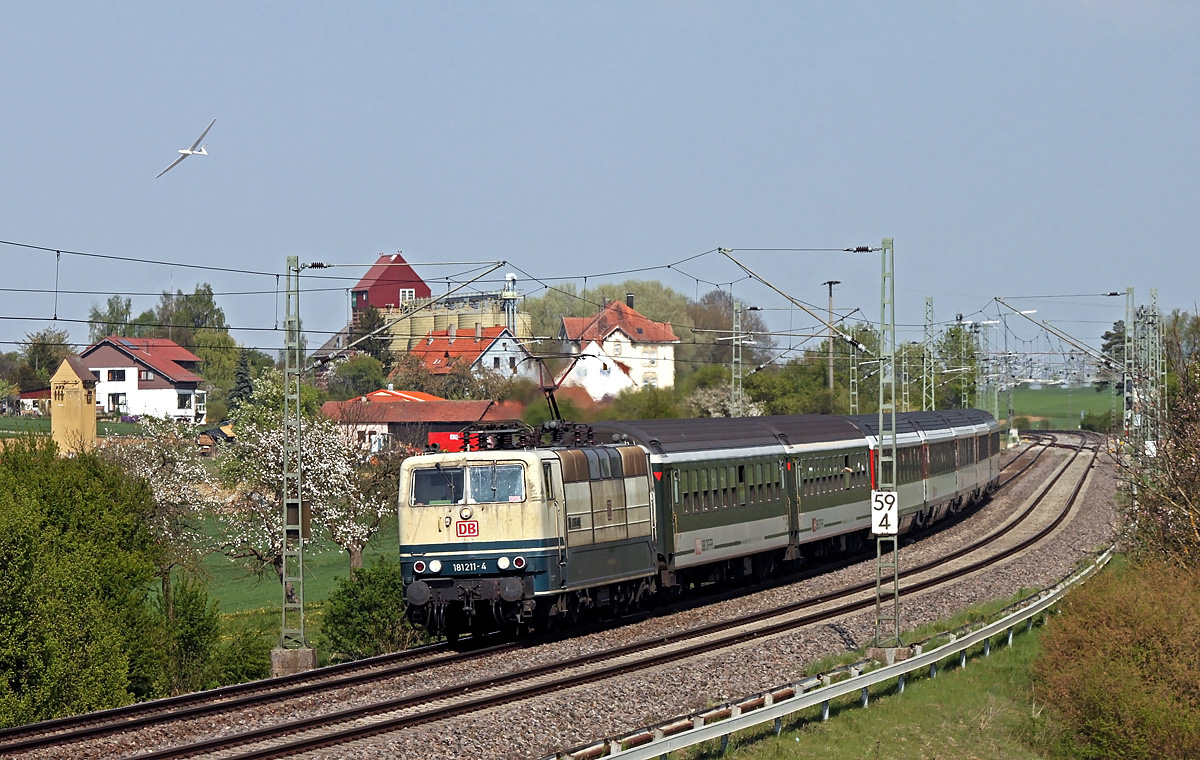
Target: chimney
{"x": 629, "y": 300}
{"x": 478, "y": 331}
{"x": 453, "y": 331}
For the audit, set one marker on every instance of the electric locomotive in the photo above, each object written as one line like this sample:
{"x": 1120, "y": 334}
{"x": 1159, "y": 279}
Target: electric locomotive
{"x": 528, "y": 527}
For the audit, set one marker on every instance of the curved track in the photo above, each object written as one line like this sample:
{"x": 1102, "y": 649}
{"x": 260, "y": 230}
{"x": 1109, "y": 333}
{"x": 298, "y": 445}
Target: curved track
{"x": 478, "y": 695}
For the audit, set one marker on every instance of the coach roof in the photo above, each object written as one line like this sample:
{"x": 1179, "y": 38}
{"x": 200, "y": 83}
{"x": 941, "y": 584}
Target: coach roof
{"x": 680, "y": 435}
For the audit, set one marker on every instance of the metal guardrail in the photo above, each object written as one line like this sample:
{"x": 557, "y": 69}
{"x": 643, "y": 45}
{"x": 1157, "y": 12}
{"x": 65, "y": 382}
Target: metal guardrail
{"x": 777, "y": 703}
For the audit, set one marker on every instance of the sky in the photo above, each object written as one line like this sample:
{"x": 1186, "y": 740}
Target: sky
{"x": 1040, "y": 152}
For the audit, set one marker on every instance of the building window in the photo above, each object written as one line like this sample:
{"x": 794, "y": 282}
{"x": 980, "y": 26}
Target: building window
{"x": 512, "y": 362}
{"x": 116, "y": 375}
{"x": 116, "y": 402}
{"x": 495, "y": 362}
{"x": 184, "y": 400}
{"x": 145, "y": 374}
{"x": 407, "y": 294}
{"x": 651, "y": 381}
{"x": 616, "y": 348}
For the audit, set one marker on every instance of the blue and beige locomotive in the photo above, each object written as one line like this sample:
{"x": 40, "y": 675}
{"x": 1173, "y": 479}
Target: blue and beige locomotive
{"x": 533, "y": 527}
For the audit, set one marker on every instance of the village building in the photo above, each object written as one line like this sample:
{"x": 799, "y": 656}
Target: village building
{"x": 73, "y": 407}
{"x": 386, "y": 420}
{"x": 486, "y": 349}
{"x": 146, "y": 377}
{"x": 617, "y": 349}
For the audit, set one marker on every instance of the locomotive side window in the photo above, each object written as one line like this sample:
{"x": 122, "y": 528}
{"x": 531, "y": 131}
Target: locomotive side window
{"x": 547, "y": 480}
{"x": 497, "y": 484}
{"x": 437, "y": 486}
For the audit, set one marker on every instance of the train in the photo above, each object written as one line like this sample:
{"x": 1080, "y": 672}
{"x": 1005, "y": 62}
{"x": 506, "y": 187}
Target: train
{"x": 532, "y": 528}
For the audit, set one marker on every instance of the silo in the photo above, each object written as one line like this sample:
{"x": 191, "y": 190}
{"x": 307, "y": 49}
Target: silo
{"x": 419, "y": 325}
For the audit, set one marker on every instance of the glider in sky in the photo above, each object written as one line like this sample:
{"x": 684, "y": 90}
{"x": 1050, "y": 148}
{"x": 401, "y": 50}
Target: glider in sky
{"x": 191, "y": 151}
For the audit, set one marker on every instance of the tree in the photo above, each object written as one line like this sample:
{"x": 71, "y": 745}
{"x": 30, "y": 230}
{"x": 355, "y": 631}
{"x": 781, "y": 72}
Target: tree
{"x": 358, "y": 375}
{"x": 180, "y": 316}
{"x": 332, "y": 488}
{"x": 113, "y": 319}
{"x": 166, "y": 458}
{"x": 43, "y": 351}
{"x": 243, "y": 382}
{"x": 378, "y": 346}
{"x": 364, "y": 617}
{"x": 76, "y": 632}
{"x": 1112, "y": 344}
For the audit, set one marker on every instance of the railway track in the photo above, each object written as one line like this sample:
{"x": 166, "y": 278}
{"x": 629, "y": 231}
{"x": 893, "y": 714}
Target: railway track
{"x": 391, "y": 715}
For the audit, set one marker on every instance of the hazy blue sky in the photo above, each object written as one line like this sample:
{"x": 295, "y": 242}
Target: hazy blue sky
{"x": 1012, "y": 149}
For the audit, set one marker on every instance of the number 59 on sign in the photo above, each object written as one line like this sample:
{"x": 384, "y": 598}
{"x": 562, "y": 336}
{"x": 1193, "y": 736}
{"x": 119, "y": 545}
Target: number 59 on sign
{"x": 885, "y": 513}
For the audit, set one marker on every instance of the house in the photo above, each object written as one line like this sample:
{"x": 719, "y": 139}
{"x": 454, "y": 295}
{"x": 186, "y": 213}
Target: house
{"x": 493, "y": 349}
{"x": 389, "y": 283}
{"x": 146, "y": 376}
{"x": 73, "y": 414}
{"x": 377, "y": 423}
{"x": 618, "y": 349}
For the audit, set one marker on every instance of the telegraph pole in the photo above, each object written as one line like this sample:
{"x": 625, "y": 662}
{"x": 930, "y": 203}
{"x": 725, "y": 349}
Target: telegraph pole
{"x": 927, "y": 372}
{"x": 293, "y": 654}
{"x": 831, "y": 283}
{"x": 736, "y": 394}
{"x": 885, "y": 515}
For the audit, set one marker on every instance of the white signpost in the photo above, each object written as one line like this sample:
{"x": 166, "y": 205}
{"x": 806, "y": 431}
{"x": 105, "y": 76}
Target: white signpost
{"x": 885, "y": 513}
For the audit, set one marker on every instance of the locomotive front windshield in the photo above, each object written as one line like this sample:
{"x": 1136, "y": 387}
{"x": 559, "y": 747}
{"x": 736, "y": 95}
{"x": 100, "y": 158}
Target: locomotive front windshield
{"x": 485, "y": 484}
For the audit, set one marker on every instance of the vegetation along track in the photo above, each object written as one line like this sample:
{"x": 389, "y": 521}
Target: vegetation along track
{"x": 480, "y": 693}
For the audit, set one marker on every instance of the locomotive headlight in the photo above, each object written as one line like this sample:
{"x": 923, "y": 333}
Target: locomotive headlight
{"x": 502, "y": 563}
{"x": 419, "y": 566}
{"x": 519, "y": 563}
{"x": 435, "y": 566}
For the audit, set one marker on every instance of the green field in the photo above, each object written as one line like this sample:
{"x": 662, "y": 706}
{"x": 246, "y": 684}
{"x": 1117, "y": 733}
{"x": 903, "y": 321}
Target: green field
{"x": 12, "y": 426}
{"x": 256, "y": 600}
{"x": 1060, "y": 407}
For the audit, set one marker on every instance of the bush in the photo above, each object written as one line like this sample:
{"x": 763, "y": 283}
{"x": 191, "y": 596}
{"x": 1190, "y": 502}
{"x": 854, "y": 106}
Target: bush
{"x": 1120, "y": 667}
{"x": 364, "y": 617}
{"x": 245, "y": 656}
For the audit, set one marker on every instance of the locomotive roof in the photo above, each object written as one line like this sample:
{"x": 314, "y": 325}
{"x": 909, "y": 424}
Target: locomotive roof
{"x": 741, "y": 432}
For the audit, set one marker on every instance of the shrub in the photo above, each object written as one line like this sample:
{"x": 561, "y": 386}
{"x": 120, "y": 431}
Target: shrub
{"x": 1119, "y": 667}
{"x": 364, "y": 617}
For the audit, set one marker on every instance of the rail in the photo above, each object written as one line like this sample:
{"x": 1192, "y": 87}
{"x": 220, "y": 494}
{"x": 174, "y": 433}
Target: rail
{"x": 775, "y": 704}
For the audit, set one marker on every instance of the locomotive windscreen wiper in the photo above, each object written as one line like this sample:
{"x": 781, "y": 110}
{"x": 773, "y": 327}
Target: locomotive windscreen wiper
{"x": 449, "y": 483}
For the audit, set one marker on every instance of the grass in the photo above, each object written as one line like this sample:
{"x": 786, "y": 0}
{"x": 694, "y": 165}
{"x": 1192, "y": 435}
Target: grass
{"x": 1061, "y": 407}
{"x": 981, "y": 711}
{"x": 253, "y": 601}
{"x": 14, "y": 426}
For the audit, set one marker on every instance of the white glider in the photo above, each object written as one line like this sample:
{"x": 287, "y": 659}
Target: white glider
{"x": 192, "y": 150}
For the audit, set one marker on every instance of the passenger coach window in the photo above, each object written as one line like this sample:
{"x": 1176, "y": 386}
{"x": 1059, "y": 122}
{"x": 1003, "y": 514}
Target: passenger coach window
{"x": 433, "y": 487}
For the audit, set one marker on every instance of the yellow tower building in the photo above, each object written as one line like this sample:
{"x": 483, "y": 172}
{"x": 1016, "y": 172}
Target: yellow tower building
{"x": 73, "y": 407}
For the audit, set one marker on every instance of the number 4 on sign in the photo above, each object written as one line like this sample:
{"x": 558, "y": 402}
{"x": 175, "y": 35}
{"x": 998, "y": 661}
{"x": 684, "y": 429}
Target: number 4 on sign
{"x": 885, "y": 513}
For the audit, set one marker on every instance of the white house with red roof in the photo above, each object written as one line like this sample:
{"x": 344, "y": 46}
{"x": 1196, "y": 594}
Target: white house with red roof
{"x": 618, "y": 349}
{"x": 146, "y": 376}
{"x": 493, "y": 349}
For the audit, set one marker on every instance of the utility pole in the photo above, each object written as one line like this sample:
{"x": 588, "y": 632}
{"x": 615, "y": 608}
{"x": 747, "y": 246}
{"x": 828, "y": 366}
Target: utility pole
{"x": 928, "y": 403}
{"x": 736, "y": 394}
{"x": 884, "y": 498}
{"x": 831, "y": 283}
{"x": 293, "y": 654}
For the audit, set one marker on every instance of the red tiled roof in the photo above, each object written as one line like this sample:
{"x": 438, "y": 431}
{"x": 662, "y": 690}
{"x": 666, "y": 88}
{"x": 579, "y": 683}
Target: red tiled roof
{"x": 440, "y": 353}
{"x": 389, "y": 396}
{"x": 352, "y": 412}
{"x": 166, "y": 357}
{"x": 392, "y": 270}
{"x": 617, "y": 316}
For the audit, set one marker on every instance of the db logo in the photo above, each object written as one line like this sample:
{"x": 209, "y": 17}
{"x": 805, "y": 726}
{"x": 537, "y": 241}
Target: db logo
{"x": 467, "y": 528}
